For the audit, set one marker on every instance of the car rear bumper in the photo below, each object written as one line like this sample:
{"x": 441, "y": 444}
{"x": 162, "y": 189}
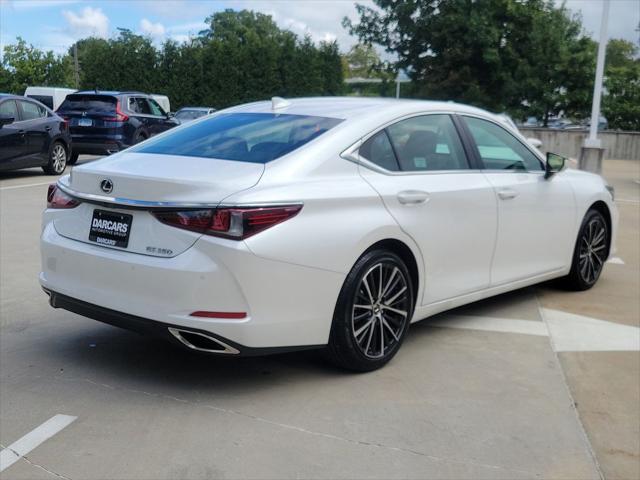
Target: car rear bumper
{"x": 211, "y": 344}
{"x": 97, "y": 147}
{"x": 286, "y": 305}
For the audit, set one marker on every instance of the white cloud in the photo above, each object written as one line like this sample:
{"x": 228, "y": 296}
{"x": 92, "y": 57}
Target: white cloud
{"x": 194, "y": 27}
{"x": 91, "y": 21}
{"x": 155, "y": 30}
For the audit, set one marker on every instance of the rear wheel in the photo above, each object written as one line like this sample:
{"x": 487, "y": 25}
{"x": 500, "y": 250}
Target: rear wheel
{"x": 373, "y": 312}
{"x": 57, "y": 159}
{"x": 590, "y": 253}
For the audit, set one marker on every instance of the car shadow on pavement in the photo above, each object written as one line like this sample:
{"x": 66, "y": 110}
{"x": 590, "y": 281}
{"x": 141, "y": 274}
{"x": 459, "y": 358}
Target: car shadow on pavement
{"x": 126, "y": 360}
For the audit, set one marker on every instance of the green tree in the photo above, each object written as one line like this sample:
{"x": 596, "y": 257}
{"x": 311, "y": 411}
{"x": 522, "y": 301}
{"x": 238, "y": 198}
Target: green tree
{"x": 621, "y": 103}
{"x": 513, "y": 55}
{"x": 24, "y": 65}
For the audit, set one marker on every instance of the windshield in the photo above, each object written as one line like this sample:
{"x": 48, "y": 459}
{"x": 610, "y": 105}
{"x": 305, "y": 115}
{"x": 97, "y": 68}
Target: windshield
{"x": 89, "y": 103}
{"x": 245, "y": 137}
{"x": 190, "y": 114}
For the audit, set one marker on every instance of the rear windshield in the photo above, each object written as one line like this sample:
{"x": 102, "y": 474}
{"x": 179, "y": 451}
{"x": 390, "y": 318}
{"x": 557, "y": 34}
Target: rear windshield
{"x": 246, "y": 137}
{"x": 89, "y": 103}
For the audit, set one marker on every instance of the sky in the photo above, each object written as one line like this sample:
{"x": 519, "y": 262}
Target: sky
{"x": 56, "y": 24}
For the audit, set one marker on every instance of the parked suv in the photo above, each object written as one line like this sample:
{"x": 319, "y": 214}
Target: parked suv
{"x": 31, "y": 135}
{"x": 107, "y": 122}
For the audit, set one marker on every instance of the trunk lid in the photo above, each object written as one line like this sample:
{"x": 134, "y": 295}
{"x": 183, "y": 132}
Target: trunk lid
{"x": 91, "y": 115}
{"x": 151, "y": 181}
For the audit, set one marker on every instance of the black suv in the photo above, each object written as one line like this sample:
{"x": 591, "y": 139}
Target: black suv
{"x": 107, "y": 122}
{"x": 31, "y": 135}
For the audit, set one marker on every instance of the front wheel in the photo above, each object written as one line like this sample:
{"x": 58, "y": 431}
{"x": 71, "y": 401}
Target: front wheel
{"x": 373, "y": 312}
{"x": 57, "y": 159}
{"x": 590, "y": 253}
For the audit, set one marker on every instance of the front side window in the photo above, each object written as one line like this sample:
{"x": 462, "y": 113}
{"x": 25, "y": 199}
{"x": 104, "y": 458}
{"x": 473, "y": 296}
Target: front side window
{"x": 245, "y": 137}
{"x": 156, "y": 109}
{"x": 428, "y": 142}
{"x": 31, "y": 111}
{"x": 498, "y": 149}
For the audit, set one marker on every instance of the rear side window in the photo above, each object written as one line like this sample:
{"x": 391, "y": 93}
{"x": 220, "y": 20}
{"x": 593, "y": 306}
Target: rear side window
{"x": 156, "y": 109}
{"x": 45, "y": 99}
{"x": 428, "y": 142}
{"x": 31, "y": 111}
{"x": 499, "y": 150}
{"x": 9, "y": 109}
{"x": 378, "y": 150}
{"x": 245, "y": 137}
{"x": 89, "y": 103}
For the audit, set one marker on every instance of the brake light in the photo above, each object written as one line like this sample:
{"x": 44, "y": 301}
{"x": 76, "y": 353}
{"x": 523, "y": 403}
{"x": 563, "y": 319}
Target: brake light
{"x": 232, "y": 223}
{"x": 56, "y": 198}
{"x": 120, "y": 115}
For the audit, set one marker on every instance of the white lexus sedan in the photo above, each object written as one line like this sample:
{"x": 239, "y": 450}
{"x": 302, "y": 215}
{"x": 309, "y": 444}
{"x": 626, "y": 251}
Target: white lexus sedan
{"x": 318, "y": 223}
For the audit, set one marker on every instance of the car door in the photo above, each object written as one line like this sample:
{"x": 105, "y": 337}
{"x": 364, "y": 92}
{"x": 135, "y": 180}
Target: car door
{"x": 161, "y": 120}
{"x": 37, "y": 128}
{"x": 13, "y": 138}
{"x": 421, "y": 171}
{"x": 536, "y": 216}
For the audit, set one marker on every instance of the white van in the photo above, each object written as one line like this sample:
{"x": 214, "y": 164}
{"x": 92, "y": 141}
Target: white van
{"x": 163, "y": 100}
{"x": 52, "y": 97}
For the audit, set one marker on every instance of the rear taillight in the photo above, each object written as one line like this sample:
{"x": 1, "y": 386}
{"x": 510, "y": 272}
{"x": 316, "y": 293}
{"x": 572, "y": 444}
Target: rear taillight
{"x": 56, "y": 198}
{"x": 120, "y": 116}
{"x": 232, "y": 223}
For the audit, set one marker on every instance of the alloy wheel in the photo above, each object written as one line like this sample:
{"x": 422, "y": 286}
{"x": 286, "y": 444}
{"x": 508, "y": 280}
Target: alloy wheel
{"x": 380, "y": 310}
{"x": 59, "y": 158}
{"x": 593, "y": 250}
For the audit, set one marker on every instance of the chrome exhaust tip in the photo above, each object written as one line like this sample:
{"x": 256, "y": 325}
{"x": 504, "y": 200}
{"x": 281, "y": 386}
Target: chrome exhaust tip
{"x": 202, "y": 342}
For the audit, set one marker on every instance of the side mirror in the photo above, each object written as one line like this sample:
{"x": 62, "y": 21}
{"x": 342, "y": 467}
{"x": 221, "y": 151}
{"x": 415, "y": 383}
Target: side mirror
{"x": 5, "y": 120}
{"x": 554, "y": 164}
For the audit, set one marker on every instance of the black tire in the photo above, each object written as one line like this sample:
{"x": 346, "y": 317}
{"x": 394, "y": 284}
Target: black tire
{"x": 57, "y": 159}
{"x": 590, "y": 253}
{"x": 73, "y": 159}
{"x": 353, "y": 345}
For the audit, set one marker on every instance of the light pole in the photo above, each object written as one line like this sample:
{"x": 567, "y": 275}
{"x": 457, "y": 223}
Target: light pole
{"x": 592, "y": 152}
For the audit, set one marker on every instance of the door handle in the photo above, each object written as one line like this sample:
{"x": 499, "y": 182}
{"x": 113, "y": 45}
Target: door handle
{"x": 47, "y": 128}
{"x": 21, "y": 132}
{"x": 412, "y": 197}
{"x": 507, "y": 193}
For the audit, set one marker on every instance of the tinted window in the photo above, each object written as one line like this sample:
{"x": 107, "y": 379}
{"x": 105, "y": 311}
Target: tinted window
{"x": 378, "y": 150}
{"x": 89, "y": 103}
{"x": 156, "y": 109}
{"x": 247, "y": 137}
{"x": 31, "y": 111}
{"x": 45, "y": 99}
{"x": 499, "y": 150}
{"x": 428, "y": 142}
{"x": 9, "y": 109}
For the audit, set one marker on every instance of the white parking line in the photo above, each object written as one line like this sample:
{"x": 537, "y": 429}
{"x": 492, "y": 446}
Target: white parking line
{"x": 12, "y": 187}
{"x": 616, "y": 260}
{"x": 31, "y": 440}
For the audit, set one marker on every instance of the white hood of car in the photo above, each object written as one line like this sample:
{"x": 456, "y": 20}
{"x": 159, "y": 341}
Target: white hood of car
{"x": 154, "y": 178}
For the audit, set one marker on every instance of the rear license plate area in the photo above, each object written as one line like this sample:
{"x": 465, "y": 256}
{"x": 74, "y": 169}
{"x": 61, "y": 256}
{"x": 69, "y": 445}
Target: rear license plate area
{"x": 85, "y": 122}
{"x": 110, "y": 228}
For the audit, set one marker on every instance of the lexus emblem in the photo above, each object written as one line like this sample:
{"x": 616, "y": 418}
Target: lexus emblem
{"x": 106, "y": 185}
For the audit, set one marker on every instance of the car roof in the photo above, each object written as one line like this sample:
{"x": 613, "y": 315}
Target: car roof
{"x": 197, "y": 108}
{"x": 106, "y": 92}
{"x": 347, "y": 108}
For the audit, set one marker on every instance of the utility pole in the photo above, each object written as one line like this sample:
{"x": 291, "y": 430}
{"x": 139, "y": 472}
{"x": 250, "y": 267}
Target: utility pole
{"x": 76, "y": 68}
{"x": 592, "y": 152}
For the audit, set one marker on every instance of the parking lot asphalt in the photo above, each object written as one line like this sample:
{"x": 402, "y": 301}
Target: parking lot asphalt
{"x": 537, "y": 383}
